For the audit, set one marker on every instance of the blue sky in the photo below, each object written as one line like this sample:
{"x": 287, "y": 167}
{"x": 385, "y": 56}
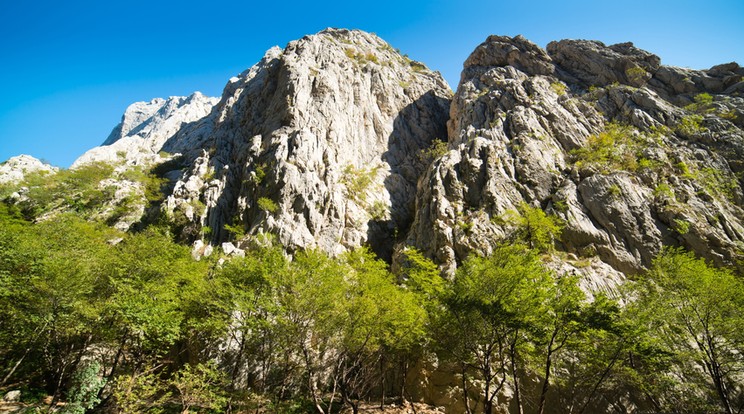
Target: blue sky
{"x": 69, "y": 69}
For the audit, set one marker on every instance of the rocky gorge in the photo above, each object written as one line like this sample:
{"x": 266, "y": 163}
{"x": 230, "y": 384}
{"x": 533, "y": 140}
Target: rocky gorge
{"x": 338, "y": 141}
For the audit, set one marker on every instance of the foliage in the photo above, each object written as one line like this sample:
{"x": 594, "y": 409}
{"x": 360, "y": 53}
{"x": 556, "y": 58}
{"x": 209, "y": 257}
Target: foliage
{"x": 78, "y": 190}
{"x": 200, "y": 386}
{"x": 691, "y": 125}
{"x": 702, "y": 103}
{"x": 508, "y": 316}
{"x": 237, "y": 230}
{"x": 618, "y": 147}
{"x": 637, "y": 76}
{"x": 379, "y": 210}
{"x": 272, "y": 333}
{"x": 360, "y": 57}
{"x": 417, "y": 67}
{"x": 681, "y": 226}
{"x": 559, "y": 88}
{"x": 534, "y": 227}
{"x": 694, "y": 312}
{"x": 358, "y": 182}
{"x": 436, "y": 149}
{"x": 83, "y": 393}
{"x": 663, "y": 190}
{"x": 259, "y": 173}
{"x": 139, "y": 392}
{"x": 268, "y": 205}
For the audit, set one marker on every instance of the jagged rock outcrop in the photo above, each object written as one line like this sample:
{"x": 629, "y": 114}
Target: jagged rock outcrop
{"x": 16, "y": 168}
{"x": 527, "y": 126}
{"x": 318, "y": 144}
{"x": 321, "y": 144}
{"x": 145, "y": 127}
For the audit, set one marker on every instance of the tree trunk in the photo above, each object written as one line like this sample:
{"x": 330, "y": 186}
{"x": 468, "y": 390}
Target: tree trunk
{"x": 546, "y": 381}
{"x": 515, "y": 376}
{"x": 466, "y": 400}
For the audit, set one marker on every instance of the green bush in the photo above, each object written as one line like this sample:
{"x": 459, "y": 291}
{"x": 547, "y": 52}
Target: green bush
{"x": 202, "y": 385}
{"x": 534, "y": 227}
{"x": 83, "y": 394}
{"x": 357, "y": 182}
{"x": 637, "y": 76}
{"x": 559, "y": 88}
{"x": 618, "y": 147}
{"x": 436, "y": 149}
{"x": 267, "y": 205}
{"x": 691, "y": 125}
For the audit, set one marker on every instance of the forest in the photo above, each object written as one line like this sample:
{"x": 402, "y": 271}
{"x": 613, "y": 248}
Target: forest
{"x": 130, "y": 322}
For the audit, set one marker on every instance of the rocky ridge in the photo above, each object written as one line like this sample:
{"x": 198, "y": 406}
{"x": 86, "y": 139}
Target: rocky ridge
{"x": 16, "y": 168}
{"x": 321, "y": 144}
{"x": 527, "y": 126}
{"x": 318, "y": 143}
{"x": 145, "y": 127}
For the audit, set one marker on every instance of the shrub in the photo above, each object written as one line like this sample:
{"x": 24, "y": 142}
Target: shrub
{"x": 436, "y": 149}
{"x": 83, "y": 394}
{"x": 267, "y": 205}
{"x": 618, "y": 147}
{"x": 260, "y": 173}
{"x": 417, "y": 67}
{"x": 691, "y": 125}
{"x": 636, "y": 75}
{"x": 358, "y": 182}
{"x": 663, "y": 190}
{"x": 559, "y": 88}
{"x": 378, "y": 210}
{"x": 680, "y": 226}
{"x": 200, "y": 386}
{"x": 534, "y": 227}
{"x": 138, "y": 393}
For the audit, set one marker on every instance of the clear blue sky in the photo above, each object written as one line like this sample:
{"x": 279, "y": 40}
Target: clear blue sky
{"x": 69, "y": 69}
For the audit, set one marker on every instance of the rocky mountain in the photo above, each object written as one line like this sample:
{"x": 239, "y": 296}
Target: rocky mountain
{"x": 318, "y": 143}
{"x": 146, "y": 126}
{"x": 328, "y": 143}
{"x": 593, "y": 158}
{"x": 630, "y": 154}
{"x": 15, "y": 168}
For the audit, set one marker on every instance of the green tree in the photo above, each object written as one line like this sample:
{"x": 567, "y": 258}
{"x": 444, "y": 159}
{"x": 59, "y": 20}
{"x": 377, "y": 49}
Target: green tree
{"x": 535, "y": 228}
{"x": 202, "y": 385}
{"x": 53, "y": 297}
{"x": 558, "y": 327}
{"x": 382, "y": 320}
{"x": 493, "y": 304}
{"x": 695, "y": 310}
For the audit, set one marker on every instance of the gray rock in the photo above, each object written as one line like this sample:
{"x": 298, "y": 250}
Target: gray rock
{"x": 516, "y": 117}
{"x": 327, "y": 131}
{"x": 12, "y": 396}
{"x": 593, "y": 63}
{"x": 16, "y": 168}
{"x": 145, "y": 128}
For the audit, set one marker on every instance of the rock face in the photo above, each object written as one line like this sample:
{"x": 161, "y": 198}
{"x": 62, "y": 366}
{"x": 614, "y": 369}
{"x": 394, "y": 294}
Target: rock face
{"x": 318, "y": 144}
{"x": 325, "y": 144}
{"x": 632, "y": 155}
{"x": 145, "y": 128}
{"x": 15, "y": 168}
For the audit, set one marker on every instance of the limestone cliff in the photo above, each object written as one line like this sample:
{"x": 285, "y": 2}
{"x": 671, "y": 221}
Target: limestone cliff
{"x": 630, "y": 154}
{"x": 318, "y": 143}
{"x": 326, "y": 144}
